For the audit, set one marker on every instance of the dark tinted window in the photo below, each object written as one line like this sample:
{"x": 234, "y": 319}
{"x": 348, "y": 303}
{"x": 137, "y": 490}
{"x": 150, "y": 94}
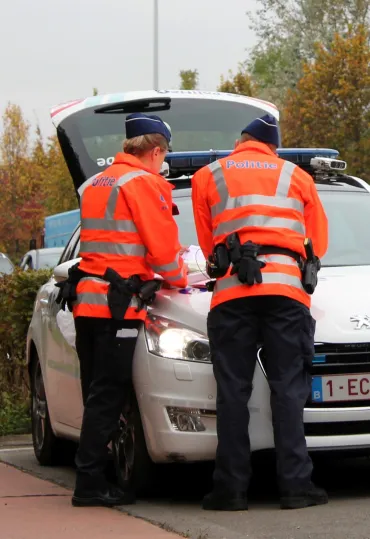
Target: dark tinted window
{"x": 196, "y": 124}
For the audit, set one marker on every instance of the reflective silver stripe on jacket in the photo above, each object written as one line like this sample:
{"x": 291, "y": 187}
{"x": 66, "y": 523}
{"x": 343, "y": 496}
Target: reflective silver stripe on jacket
{"x": 280, "y": 200}
{"x": 285, "y": 179}
{"x": 101, "y": 247}
{"x": 108, "y": 222}
{"x": 267, "y": 278}
{"x": 258, "y": 200}
{"x": 91, "y": 298}
{"x": 86, "y": 183}
{"x": 260, "y": 221}
{"x": 114, "y": 225}
{"x": 175, "y": 277}
{"x": 94, "y": 280}
{"x": 278, "y": 259}
{"x": 113, "y": 197}
{"x": 172, "y": 266}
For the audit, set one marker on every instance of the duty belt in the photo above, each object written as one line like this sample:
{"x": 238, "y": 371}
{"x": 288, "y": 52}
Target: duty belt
{"x": 120, "y": 290}
{"x": 247, "y": 266}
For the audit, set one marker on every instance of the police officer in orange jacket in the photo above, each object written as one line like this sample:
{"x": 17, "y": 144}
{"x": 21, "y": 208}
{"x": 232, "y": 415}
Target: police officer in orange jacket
{"x": 273, "y": 206}
{"x": 128, "y": 234}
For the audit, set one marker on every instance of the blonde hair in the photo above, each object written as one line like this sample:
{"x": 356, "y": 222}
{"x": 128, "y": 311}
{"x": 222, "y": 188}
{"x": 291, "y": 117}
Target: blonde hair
{"x": 143, "y": 144}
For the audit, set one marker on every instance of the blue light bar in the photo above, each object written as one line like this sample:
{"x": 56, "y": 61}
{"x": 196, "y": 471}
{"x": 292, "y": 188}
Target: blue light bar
{"x": 187, "y": 163}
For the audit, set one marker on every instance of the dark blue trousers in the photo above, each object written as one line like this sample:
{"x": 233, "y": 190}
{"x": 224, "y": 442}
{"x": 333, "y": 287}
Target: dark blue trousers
{"x": 286, "y": 329}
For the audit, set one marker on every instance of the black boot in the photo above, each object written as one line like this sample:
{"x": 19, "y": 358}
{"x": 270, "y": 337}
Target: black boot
{"x": 303, "y": 498}
{"x": 104, "y": 495}
{"x": 225, "y": 501}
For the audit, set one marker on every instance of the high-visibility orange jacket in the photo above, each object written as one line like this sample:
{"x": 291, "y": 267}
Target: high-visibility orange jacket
{"x": 267, "y": 200}
{"x": 127, "y": 225}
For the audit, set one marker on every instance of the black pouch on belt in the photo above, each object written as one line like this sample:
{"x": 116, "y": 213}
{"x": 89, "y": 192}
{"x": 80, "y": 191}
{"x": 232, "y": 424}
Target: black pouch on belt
{"x": 248, "y": 267}
{"x": 147, "y": 293}
{"x": 310, "y": 268}
{"x": 120, "y": 292}
{"x": 67, "y": 294}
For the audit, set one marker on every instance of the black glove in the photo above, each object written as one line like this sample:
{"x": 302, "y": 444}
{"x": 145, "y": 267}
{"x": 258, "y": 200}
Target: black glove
{"x": 249, "y": 268}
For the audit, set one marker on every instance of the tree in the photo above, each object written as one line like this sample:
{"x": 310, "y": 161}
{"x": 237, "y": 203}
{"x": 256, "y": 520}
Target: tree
{"x": 95, "y": 91}
{"x": 331, "y": 105}
{"x": 189, "y": 79}
{"x": 33, "y": 208}
{"x": 287, "y": 31}
{"x": 14, "y": 179}
{"x": 240, "y": 83}
{"x": 60, "y": 193}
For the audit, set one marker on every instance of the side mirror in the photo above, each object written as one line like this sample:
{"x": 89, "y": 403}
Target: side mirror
{"x": 165, "y": 169}
{"x": 60, "y": 273}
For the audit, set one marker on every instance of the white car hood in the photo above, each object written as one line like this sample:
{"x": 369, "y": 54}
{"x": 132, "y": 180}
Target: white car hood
{"x": 342, "y": 293}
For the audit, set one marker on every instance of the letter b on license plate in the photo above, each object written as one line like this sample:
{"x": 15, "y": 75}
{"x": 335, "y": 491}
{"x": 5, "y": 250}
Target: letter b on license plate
{"x": 344, "y": 387}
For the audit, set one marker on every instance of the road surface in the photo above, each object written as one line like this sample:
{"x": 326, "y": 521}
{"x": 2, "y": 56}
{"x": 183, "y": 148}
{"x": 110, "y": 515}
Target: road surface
{"x": 176, "y": 507}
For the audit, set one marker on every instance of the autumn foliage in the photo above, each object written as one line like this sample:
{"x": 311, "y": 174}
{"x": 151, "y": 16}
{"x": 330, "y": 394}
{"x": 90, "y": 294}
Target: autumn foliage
{"x": 238, "y": 83}
{"x": 34, "y": 182}
{"x": 330, "y": 106}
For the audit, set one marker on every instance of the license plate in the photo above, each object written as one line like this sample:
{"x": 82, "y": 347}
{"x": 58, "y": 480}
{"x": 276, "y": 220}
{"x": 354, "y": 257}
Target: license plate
{"x": 341, "y": 387}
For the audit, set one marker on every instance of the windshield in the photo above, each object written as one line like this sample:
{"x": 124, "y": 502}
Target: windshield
{"x": 48, "y": 260}
{"x": 349, "y": 222}
{"x": 196, "y": 125}
{"x": 5, "y": 266}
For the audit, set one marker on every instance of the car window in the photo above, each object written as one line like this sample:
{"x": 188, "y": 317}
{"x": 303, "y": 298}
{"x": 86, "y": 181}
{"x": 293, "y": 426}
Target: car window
{"x": 48, "y": 260}
{"x": 69, "y": 251}
{"x": 27, "y": 262}
{"x": 91, "y": 140}
{"x": 23, "y": 261}
{"x": 5, "y": 266}
{"x": 185, "y": 221}
{"x": 349, "y": 222}
{"x": 201, "y": 124}
{"x": 76, "y": 249}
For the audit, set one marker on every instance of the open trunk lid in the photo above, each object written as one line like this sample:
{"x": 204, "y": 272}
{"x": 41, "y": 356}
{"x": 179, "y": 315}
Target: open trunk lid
{"x": 91, "y": 131}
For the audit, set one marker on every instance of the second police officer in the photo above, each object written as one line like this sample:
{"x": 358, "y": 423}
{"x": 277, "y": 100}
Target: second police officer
{"x": 274, "y": 208}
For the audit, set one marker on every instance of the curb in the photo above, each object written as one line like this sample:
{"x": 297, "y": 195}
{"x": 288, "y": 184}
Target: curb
{"x": 19, "y": 440}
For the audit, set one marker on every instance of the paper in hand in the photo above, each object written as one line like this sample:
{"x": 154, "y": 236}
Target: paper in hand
{"x": 194, "y": 256}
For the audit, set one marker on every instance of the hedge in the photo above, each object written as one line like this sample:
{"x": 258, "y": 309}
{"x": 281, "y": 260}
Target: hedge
{"x": 17, "y": 296}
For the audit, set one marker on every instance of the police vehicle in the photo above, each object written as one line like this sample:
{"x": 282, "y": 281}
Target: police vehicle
{"x": 172, "y": 414}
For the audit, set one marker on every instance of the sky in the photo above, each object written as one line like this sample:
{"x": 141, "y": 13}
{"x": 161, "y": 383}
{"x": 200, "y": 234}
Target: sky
{"x": 52, "y": 51}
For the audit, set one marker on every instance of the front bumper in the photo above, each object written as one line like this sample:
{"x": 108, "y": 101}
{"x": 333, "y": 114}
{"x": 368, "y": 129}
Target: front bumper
{"x": 162, "y": 383}
{"x": 189, "y": 387}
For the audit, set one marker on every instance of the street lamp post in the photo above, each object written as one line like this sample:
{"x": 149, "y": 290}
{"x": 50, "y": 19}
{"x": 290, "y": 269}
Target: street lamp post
{"x": 155, "y": 51}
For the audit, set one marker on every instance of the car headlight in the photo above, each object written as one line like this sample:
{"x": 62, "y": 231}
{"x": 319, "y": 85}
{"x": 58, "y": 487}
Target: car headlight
{"x": 169, "y": 339}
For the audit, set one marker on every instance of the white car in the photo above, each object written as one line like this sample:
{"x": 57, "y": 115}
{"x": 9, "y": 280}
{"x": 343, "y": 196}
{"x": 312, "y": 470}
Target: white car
{"x": 37, "y": 259}
{"x": 6, "y": 266}
{"x": 171, "y": 416}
